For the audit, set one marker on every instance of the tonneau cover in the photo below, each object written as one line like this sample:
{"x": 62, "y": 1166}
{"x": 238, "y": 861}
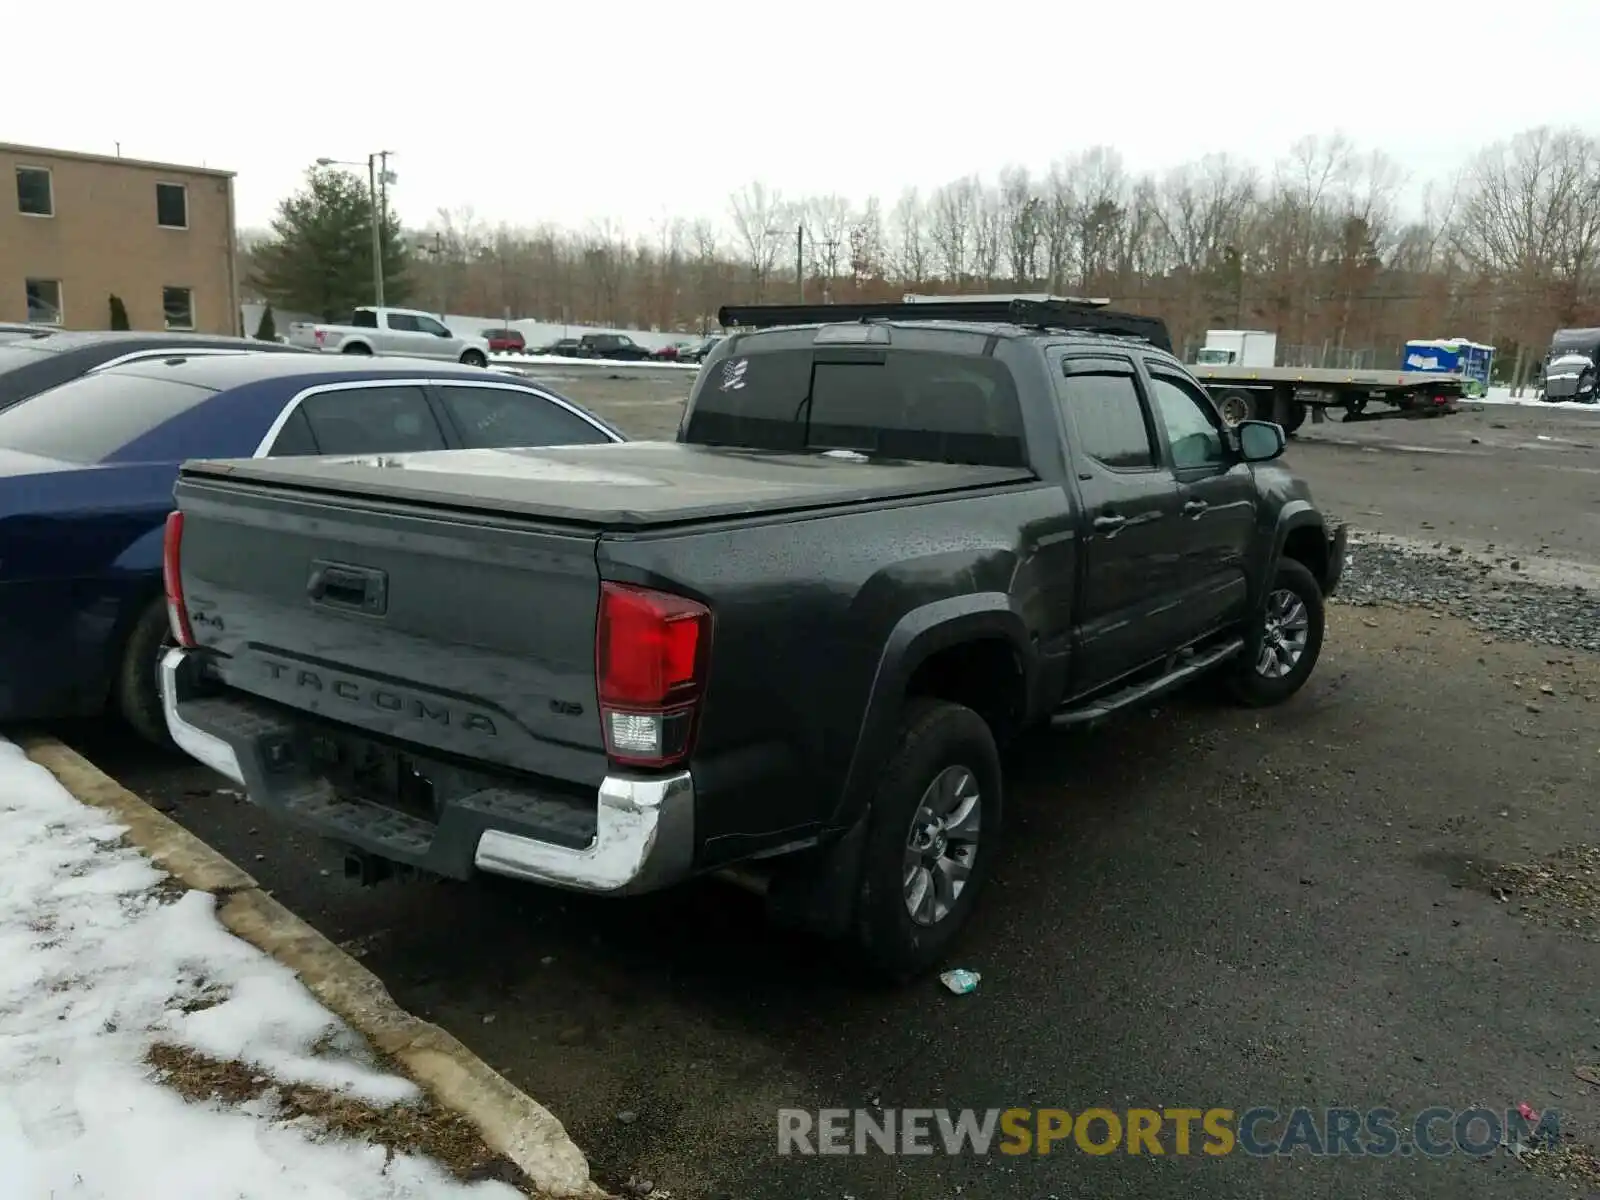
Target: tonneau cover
{"x": 631, "y": 485}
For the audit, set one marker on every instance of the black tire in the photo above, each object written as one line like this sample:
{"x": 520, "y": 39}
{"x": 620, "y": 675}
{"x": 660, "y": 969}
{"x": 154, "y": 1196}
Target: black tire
{"x": 1249, "y": 684}
{"x": 935, "y": 735}
{"x": 357, "y": 348}
{"x": 138, "y": 688}
{"x": 474, "y": 358}
{"x": 1295, "y": 417}
{"x": 1235, "y": 405}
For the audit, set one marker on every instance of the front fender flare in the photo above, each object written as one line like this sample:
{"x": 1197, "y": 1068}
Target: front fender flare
{"x": 1295, "y": 514}
{"x": 921, "y": 633}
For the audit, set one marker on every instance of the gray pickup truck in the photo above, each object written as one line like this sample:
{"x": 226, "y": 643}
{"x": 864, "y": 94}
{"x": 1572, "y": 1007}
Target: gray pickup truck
{"x": 787, "y": 647}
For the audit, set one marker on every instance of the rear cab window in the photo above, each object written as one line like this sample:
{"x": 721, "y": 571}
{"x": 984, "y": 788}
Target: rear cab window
{"x": 917, "y": 404}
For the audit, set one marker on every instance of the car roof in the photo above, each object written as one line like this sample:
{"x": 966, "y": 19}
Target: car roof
{"x": 222, "y": 371}
{"x": 1006, "y": 330}
{"x": 60, "y": 341}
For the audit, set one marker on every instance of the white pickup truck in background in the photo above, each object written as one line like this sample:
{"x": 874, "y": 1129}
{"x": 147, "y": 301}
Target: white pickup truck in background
{"x": 392, "y": 331}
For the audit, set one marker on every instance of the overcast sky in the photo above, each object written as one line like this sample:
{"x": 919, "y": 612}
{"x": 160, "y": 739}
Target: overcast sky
{"x": 576, "y": 112}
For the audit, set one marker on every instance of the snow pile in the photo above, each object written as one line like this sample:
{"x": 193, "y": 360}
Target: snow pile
{"x": 1501, "y": 395}
{"x": 95, "y": 968}
{"x": 591, "y": 364}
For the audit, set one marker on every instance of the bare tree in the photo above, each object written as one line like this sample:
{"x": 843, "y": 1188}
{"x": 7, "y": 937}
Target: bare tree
{"x": 952, "y": 226}
{"x": 1022, "y": 225}
{"x": 866, "y": 246}
{"x": 988, "y": 232}
{"x": 1059, "y": 216}
{"x": 911, "y": 250}
{"x": 827, "y": 221}
{"x": 1202, "y": 208}
{"x": 1326, "y": 249}
{"x": 756, "y": 213}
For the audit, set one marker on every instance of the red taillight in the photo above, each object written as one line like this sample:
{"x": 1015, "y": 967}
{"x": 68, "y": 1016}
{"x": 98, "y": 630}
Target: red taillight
{"x": 172, "y": 579}
{"x": 650, "y": 651}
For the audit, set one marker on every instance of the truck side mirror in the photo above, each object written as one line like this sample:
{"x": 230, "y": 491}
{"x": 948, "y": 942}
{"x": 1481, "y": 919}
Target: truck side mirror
{"x": 1259, "y": 441}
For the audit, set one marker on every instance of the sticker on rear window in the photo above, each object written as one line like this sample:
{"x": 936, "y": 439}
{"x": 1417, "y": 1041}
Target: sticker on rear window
{"x": 733, "y": 374}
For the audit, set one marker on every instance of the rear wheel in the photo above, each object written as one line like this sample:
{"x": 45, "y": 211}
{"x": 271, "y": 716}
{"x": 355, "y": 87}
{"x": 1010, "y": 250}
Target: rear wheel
{"x": 932, "y": 837}
{"x": 138, "y": 694}
{"x": 356, "y": 348}
{"x": 474, "y": 358}
{"x": 1284, "y": 641}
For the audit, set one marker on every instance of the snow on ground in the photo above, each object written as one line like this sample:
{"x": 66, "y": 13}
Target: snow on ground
{"x": 1500, "y": 395}
{"x": 96, "y": 967}
{"x": 588, "y": 365}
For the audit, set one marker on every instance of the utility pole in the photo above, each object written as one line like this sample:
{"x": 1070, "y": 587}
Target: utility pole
{"x": 800, "y": 260}
{"x": 378, "y": 201}
{"x": 831, "y": 258}
{"x": 377, "y": 225}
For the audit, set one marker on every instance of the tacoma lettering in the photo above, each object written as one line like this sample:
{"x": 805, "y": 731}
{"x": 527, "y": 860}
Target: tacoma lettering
{"x": 383, "y": 699}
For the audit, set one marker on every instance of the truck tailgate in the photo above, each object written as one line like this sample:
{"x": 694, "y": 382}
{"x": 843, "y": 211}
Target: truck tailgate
{"x": 462, "y": 633}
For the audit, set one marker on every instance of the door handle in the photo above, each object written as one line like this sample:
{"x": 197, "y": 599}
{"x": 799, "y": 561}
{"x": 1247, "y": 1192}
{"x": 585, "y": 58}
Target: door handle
{"x": 1109, "y": 522}
{"x": 1194, "y": 508}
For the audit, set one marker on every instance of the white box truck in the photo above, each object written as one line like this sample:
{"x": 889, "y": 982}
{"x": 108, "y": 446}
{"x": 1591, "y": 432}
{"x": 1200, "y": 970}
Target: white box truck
{"x": 1239, "y": 348}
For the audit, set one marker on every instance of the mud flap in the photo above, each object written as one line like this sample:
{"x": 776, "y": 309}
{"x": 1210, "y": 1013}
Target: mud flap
{"x": 817, "y": 890}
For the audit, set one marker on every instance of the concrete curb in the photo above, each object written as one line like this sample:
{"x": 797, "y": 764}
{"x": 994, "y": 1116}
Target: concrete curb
{"x": 510, "y": 1121}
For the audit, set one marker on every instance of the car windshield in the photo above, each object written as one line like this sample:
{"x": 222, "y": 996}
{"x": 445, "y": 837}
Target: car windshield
{"x": 919, "y": 405}
{"x": 89, "y": 419}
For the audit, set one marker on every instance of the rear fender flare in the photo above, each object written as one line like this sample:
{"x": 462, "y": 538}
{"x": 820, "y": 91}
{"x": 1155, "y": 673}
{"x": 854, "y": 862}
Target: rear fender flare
{"x": 921, "y": 633}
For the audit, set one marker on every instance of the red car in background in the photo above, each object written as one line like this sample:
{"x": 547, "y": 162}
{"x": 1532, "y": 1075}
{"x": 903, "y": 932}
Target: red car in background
{"x": 505, "y": 341}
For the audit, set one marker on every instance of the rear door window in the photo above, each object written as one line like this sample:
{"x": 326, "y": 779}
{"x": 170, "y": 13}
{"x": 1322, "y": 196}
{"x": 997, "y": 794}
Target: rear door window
{"x": 912, "y": 404}
{"x": 1101, "y": 402}
{"x": 89, "y": 419}
{"x": 381, "y": 419}
{"x": 491, "y": 417}
{"x": 295, "y": 439}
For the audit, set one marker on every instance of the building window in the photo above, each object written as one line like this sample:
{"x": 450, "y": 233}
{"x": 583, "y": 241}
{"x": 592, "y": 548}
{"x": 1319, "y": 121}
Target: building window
{"x": 44, "y": 301}
{"x": 35, "y": 197}
{"x": 172, "y": 205}
{"x": 178, "y": 305}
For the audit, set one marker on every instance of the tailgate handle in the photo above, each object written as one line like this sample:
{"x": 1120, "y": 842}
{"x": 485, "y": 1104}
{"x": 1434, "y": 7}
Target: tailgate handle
{"x": 358, "y": 589}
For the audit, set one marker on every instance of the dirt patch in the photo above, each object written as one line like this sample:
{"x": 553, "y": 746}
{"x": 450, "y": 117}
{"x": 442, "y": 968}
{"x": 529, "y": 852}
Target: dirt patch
{"x": 1568, "y": 1162}
{"x": 168, "y": 891}
{"x": 1562, "y": 890}
{"x": 420, "y": 1128}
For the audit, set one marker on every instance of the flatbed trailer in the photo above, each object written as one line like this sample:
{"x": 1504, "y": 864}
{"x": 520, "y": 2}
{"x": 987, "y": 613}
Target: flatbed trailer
{"x": 1288, "y": 395}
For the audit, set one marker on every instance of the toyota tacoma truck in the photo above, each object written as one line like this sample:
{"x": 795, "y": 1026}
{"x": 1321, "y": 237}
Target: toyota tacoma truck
{"x": 788, "y": 647}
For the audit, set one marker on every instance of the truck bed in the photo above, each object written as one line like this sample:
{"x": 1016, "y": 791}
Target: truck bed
{"x": 633, "y": 486}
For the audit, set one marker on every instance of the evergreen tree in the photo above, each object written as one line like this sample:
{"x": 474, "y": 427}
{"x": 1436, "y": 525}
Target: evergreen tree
{"x": 267, "y": 330}
{"x": 119, "y": 313}
{"x": 319, "y": 257}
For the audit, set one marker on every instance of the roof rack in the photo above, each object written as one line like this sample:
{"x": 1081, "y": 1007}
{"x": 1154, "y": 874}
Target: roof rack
{"x": 1044, "y": 314}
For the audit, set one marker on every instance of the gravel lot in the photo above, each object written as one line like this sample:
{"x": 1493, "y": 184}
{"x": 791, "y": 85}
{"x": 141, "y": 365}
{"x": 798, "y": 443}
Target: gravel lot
{"x": 1375, "y": 895}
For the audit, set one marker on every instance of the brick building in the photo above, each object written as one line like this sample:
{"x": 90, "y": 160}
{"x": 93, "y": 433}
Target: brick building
{"x": 77, "y": 229}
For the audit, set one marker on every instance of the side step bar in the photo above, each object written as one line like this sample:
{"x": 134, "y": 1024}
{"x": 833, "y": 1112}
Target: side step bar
{"x": 1104, "y": 706}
